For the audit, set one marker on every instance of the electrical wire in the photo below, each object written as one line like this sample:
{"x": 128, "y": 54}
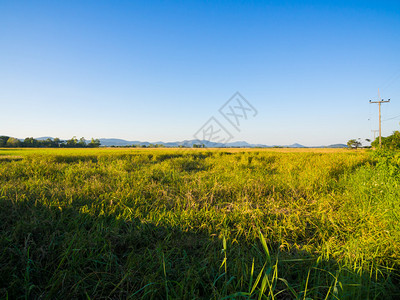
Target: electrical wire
{"x": 392, "y": 118}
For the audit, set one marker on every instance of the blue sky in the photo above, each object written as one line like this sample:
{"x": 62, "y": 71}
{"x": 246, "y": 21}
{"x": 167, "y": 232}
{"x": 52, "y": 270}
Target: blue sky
{"x": 158, "y": 70}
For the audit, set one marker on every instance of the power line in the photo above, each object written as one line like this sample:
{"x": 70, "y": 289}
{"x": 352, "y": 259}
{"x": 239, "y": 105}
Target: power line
{"x": 392, "y": 79}
{"x": 391, "y": 118}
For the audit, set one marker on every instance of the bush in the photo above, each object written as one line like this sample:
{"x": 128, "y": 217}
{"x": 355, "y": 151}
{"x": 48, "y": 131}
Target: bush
{"x": 390, "y": 142}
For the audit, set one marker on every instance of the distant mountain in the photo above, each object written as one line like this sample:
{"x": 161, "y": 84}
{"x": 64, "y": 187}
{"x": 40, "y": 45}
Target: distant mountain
{"x": 43, "y": 138}
{"x": 107, "y": 142}
{"x": 208, "y": 144}
{"x": 185, "y": 143}
{"x": 336, "y": 146}
{"x": 296, "y": 145}
{"x": 120, "y": 142}
{"x": 240, "y": 144}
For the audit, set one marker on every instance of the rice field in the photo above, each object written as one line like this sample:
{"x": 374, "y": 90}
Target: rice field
{"x": 199, "y": 224}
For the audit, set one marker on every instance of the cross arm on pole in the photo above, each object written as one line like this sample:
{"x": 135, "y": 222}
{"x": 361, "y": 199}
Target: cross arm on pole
{"x": 382, "y": 101}
{"x": 380, "y": 122}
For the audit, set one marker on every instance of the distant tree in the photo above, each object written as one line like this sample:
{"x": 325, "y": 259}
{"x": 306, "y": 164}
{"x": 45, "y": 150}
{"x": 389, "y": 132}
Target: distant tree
{"x": 73, "y": 142}
{"x": 94, "y": 143}
{"x": 13, "y": 142}
{"x": 198, "y": 145}
{"x": 82, "y": 142}
{"x": 351, "y": 143}
{"x": 30, "y": 142}
{"x": 47, "y": 143}
{"x": 368, "y": 141}
{"x": 3, "y": 140}
{"x": 57, "y": 142}
{"x": 354, "y": 144}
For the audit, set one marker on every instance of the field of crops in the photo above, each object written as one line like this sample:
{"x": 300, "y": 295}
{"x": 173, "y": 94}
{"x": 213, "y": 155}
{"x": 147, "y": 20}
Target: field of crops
{"x": 197, "y": 224}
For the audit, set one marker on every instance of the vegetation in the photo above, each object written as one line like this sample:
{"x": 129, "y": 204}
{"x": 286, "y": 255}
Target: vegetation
{"x": 30, "y": 142}
{"x": 192, "y": 224}
{"x": 198, "y": 146}
{"x": 391, "y": 142}
{"x": 356, "y": 143}
{"x": 140, "y": 146}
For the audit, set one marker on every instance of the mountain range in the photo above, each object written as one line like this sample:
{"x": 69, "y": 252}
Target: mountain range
{"x": 189, "y": 143}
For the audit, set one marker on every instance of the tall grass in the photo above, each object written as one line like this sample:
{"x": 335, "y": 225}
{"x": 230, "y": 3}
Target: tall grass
{"x": 198, "y": 224}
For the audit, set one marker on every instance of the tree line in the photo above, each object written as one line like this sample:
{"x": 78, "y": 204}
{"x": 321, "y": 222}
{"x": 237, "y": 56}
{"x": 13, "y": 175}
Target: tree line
{"x": 391, "y": 142}
{"x": 30, "y": 142}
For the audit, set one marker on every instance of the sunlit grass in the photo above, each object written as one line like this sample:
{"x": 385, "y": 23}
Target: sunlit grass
{"x": 191, "y": 223}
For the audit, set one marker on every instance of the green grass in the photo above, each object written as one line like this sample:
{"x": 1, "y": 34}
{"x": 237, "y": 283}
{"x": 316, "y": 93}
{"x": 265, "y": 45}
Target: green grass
{"x": 190, "y": 224}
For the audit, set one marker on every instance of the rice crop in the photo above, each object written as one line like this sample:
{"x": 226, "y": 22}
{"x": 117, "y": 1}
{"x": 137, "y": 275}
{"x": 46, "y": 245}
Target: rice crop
{"x": 199, "y": 224}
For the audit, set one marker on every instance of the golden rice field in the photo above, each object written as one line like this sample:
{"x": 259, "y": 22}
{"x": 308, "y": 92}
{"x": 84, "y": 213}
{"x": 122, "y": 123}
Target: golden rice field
{"x": 114, "y": 223}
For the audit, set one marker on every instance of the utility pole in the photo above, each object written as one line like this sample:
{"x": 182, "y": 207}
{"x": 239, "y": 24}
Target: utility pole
{"x": 374, "y": 131}
{"x": 380, "y": 126}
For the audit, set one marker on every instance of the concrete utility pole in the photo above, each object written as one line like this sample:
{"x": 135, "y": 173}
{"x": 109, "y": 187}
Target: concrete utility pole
{"x": 380, "y": 126}
{"x": 374, "y": 131}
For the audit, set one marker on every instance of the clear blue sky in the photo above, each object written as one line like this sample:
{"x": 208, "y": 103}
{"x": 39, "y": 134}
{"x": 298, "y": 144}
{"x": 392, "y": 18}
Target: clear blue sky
{"x": 158, "y": 70}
